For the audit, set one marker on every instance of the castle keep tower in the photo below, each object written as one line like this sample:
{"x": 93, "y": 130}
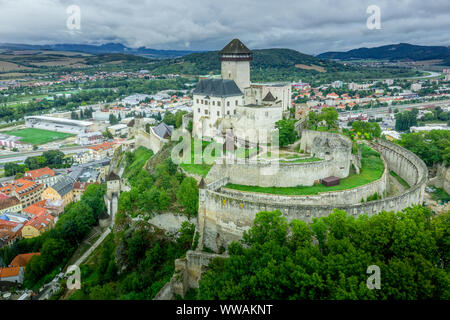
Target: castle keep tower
{"x": 235, "y": 58}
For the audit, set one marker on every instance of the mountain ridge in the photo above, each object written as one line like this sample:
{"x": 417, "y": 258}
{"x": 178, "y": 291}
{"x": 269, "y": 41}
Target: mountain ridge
{"x": 392, "y": 52}
{"x": 111, "y": 47}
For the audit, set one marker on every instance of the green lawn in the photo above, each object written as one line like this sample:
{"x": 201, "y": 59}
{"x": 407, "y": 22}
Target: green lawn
{"x": 203, "y": 168}
{"x": 400, "y": 179}
{"x": 38, "y": 136}
{"x": 372, "y": 169}
{"x": 141, "y": 155}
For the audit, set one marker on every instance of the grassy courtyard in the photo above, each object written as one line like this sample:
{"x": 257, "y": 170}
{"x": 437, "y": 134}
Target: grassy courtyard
{"x": 38, "y": 136}
{"x": 372, "y": 169}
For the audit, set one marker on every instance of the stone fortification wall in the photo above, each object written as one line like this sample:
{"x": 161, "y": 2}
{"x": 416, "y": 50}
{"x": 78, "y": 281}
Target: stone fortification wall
{"x": 225, "y": 214}
{"x": 149, "y": 140}
{"x": 334, "y": 149}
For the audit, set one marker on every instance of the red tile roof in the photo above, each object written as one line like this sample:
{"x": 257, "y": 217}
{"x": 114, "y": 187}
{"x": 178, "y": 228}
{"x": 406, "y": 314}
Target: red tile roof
{"x": 35, "y": 209}
{"x": 102, "y": 146}
{"x": 38, "y": 173}
{"x": 21, "y": 185}
{"x": 21, "y": 260}
{"x": 40, "y": 221}
{"x": 9, "y": 272}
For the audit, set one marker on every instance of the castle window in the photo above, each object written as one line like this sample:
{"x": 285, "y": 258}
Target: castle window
{"x": 228, "y": 112}
{"x": 236, "y": 103}
{"x": 202, "y": 101}
{"x": 218, "y": 103}
{"x": 235, "y": 111}
{"x": 198, "y": 110}
{"x": 206, "y": 111}
{"x": 197, "y": 100}
{"x": 228, "y": 103}
{"x": 218, "y": 113}
{"x": 214, "y": 103}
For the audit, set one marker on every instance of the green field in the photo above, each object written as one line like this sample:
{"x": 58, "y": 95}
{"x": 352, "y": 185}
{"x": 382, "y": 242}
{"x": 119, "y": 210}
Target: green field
{"x": 38, "y": 136}
{"x": 372, "y": 169}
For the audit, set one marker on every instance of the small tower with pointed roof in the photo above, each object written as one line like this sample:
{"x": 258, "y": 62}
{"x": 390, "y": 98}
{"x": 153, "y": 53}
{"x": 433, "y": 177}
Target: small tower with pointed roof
{"x": 235, "y": 58}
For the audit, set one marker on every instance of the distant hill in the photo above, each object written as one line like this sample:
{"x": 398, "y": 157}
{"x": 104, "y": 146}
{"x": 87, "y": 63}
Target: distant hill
{"x": 100, "y": 49}
{"x": 281, "y": 60}
{"x": 401, "y": 51}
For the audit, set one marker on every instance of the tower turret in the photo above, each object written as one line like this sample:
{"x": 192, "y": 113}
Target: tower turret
{"x": 235, "y": 58}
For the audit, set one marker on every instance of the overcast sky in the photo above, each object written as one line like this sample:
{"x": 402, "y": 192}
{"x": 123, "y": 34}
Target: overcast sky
{"x": 307, "y": 26}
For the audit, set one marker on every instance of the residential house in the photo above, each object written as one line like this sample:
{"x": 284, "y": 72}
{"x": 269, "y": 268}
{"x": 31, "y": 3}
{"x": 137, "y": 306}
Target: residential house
{"x": 44, "y": 176}
{"x": 63, "y": 189}
{"x": 10, "y": 204}
{"x": 21, "y": 260}
{"x": 28, "y": 192}
{"x": 12, "y": 274}
{"x": 38, "y": 225}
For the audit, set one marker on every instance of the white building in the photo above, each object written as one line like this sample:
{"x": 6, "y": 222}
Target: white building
{"x": 233, "y": 103}
{"x": 118, "y": 129}
{"x": 58, "y": 124}
{"x": 86, "y": 139}
{"x": 416, "y": 86}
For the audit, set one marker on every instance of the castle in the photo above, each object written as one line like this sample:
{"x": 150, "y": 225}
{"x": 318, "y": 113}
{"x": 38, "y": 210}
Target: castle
{"x": 236, "y": 105}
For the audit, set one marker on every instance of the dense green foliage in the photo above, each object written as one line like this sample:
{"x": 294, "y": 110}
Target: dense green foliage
{"x": 157, "y": 191}
{"x": 133, "y": 264}
{"x": 51, "y": 158}
{"x": 432, "y": 147}
{"x": 277, "y": 65}
{"x": 328, "y": 258}
{"x": 401, "y": 51}
{"x": 57, "y": 245}
{"x": 287, "y": 133}
{"x": 406, "y": 119}
{"x": 327, "y": 116}
{"x": 365, "y": 130}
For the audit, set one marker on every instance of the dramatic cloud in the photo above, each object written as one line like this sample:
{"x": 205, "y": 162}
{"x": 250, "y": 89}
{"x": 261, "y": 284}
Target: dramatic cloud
{"x": 307, "y": 26}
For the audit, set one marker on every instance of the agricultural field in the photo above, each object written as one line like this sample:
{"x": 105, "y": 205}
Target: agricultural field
{"x": 38, "y": 136}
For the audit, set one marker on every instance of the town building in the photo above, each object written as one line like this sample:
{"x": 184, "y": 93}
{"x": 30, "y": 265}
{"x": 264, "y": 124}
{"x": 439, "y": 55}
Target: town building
{"x": 10, "y": 204}
{"x": 44, "y": 176}
{"x": 62, "y": 190}
{"x": 102, "y": 151}
{"x": 89, "y": 138}
{"x": 78, "y": 189}
{"x": 118, "y": 129}
{"x": 38, "y": 225}
{"x": 12, "y": 274}
{"x": 28, "y": 192}
{"x": 58, "y": 124}
{"x": 21, "y": 260}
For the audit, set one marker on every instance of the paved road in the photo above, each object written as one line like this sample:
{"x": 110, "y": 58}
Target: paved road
{"x": 21, "y": 156}
{"x": 400, "y": 107}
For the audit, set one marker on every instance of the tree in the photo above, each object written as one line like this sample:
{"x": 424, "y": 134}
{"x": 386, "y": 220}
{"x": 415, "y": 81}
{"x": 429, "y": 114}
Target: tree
{"x": 187, "y": 196}
{"x": 287, "y": 134}
{"x": 328, "y": 258}
{"x": 112, "y": 119}
{"x": 330, "y": 116}
{"x": 107, "y": 134}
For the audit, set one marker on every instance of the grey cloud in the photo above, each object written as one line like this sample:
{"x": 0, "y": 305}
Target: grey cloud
{"x": 307, "y": 26}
